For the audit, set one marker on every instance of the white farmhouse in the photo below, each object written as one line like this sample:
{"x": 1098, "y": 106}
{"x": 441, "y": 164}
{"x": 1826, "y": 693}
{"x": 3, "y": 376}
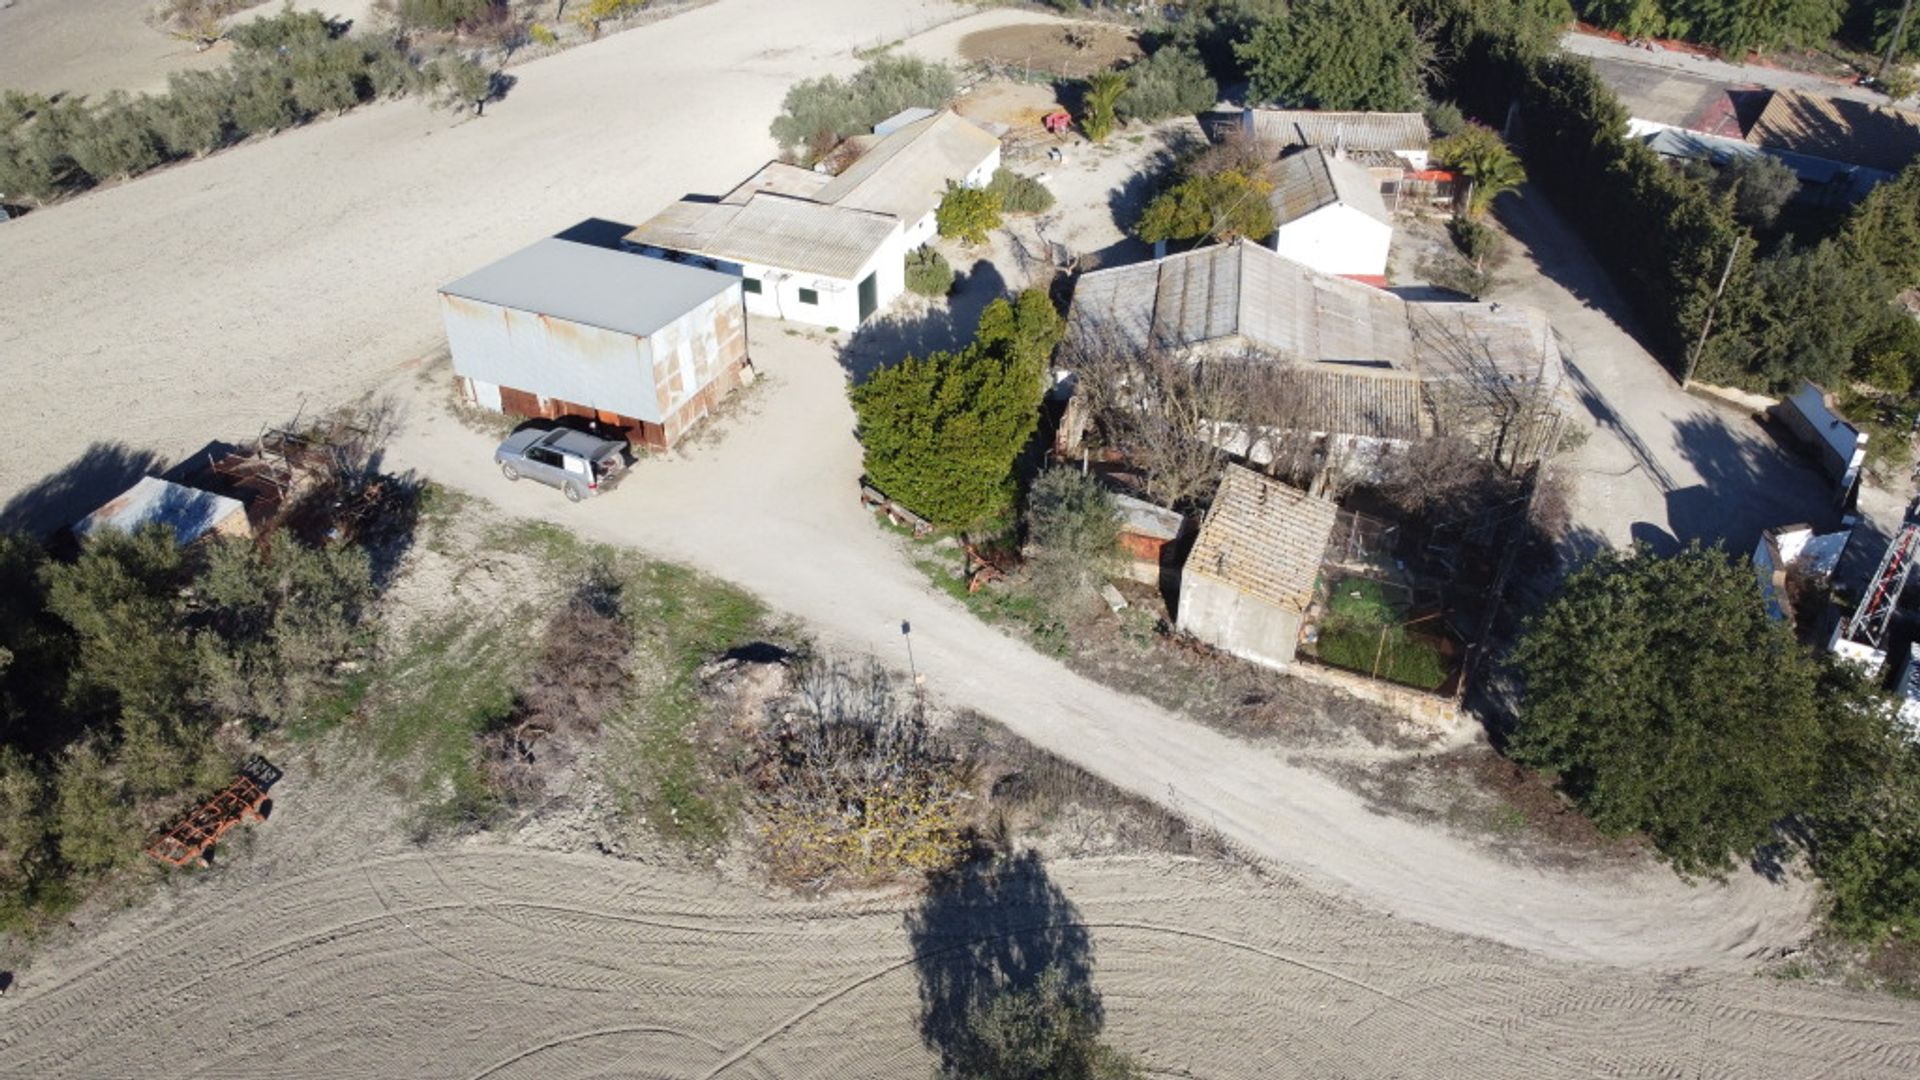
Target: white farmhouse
{"x": 1328, "y": 214}
{"x": 829, "y": 250}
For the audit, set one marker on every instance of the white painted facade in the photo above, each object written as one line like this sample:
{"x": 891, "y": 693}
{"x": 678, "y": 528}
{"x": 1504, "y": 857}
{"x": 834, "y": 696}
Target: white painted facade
{"x": 1336, "y": 239}
{"x": 804, "y": 296}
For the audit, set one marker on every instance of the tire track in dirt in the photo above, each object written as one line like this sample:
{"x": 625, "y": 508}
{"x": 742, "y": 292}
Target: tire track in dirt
{"x": 639, "y": 970}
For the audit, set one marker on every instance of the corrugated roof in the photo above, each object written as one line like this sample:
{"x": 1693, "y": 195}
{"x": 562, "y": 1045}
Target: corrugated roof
{"x": 771, "y": 230}
{"x": 1248, "y": 293}
{"x": 1264, "y": 538}
{"x": 1374, "y": 404}
{"x": 1351, "y": 130}
{"x": 906, "y": 173}
{"x": 1838, "y": 129}
{"x": 190, "y": 512}
{"x": 778, "y": 178}
{"x": 595, "y": 286}
{"x": 1313, "y": 179}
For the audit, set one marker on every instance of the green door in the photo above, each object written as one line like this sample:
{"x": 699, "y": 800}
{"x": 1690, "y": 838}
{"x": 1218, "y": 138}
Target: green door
{"x": 869, "y": 296}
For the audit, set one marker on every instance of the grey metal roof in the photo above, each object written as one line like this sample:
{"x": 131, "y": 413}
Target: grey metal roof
{"x": 595, "y": 286}
{"x": 906, "y": 173}
{"x": 190, "y": 512}
{"x": 771, "y": 230}
{"x": 1352, "y": 130}
{"x": 1313, "y": 179}
{"x": 1246, "y": 293}
{"x": 1699, "y": 146}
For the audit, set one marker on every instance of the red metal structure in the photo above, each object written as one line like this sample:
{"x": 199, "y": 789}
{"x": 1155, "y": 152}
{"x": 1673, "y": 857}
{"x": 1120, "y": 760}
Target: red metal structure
{"x": 1057, "y": 122}
{"x": 188, "y": 839}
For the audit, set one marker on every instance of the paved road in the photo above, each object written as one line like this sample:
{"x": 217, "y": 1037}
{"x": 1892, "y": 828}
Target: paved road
{"x": 1617, "y": 56}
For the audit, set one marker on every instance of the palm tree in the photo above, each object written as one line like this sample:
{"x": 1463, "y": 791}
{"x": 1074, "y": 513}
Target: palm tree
{"x": 1477, "y": 153}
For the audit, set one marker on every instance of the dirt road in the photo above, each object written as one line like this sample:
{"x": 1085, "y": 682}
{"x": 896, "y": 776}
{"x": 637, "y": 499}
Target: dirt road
{"x": 330, "y": 952}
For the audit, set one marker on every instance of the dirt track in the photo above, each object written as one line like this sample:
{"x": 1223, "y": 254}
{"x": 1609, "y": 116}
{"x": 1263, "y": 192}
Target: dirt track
{"x": 489, "y": 961}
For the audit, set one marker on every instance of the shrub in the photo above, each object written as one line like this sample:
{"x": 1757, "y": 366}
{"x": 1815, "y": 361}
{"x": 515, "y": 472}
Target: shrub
{"x": 115, "y": 140}
{"x": 1171, "y": 82}
{"x": 1049, "y": 1029}
{"x": 968, "y": 213}
{"x": 541, "y": 35}
{"x": 1444, "y": 118}
{"x": 929, "y": 273}
{"x": 93, "y": 819}
{"x": 1478, "y": 153}
{"x": 851, "y": 787}
{"x": 829, "y": 109}
{"x": 1073, "y": 535}
{"x": 441, "y": 14}
{"x": 1103, "y": 92}
{"x": 262, "y": 102}
{"x": 1020, "y": 194}
{"x": 192, "y": 118}
{"x": 465, "y": 83}
{"x": 1475, "y": 239}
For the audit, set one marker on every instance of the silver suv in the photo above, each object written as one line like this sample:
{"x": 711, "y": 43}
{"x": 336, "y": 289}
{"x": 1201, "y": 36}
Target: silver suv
{"x": 573, "y": 461}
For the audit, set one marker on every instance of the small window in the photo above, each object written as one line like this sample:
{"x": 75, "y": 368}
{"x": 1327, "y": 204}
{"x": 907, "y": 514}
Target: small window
{"x": 809, "y": 296}
{"x": 751, "y": 284}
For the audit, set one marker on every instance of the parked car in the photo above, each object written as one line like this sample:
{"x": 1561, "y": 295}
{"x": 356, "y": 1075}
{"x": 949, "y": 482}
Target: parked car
{"x": 573, "y": 461}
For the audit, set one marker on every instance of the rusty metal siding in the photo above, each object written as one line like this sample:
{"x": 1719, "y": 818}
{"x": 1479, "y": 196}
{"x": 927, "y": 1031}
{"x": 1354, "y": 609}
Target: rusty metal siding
{"x": 552, "y": 358}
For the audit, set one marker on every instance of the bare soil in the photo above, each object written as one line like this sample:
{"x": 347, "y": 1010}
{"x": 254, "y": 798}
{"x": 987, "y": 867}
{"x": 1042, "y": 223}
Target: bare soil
{"x": 1064, "y": 50}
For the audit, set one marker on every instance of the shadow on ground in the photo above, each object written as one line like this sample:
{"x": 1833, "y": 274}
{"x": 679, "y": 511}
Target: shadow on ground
{"x": 992, "y": 926}
{"x": 919, "y": 329}
{"x": 1562, "y": 256}
{"x": 63, "y": 496}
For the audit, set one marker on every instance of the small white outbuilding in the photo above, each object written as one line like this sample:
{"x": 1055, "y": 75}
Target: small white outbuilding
{"x": 1328, "y": 214}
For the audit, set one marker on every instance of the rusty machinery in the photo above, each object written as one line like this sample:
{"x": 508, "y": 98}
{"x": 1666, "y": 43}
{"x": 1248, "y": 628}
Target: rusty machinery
{"x": 190, "y": 837}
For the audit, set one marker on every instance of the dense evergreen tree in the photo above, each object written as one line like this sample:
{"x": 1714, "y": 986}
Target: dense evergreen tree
{"x": 1337, "y": 54}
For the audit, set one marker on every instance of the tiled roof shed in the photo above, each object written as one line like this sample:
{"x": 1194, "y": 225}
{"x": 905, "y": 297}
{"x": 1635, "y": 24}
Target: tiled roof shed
{"x": 1263, "y": 538}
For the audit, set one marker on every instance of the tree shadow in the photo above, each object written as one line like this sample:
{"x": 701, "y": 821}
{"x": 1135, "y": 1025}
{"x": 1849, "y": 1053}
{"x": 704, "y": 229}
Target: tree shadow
{"x": 993, "y": 925}
{"x": 930, "y": 326}
{"x": 1748, "y": 484}
{"x": 1564, "y": 258}
{"x": 63, "y": 496}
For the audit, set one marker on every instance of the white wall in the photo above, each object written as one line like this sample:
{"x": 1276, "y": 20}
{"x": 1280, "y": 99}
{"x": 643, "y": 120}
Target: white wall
{"x": 839, "y": 299}
{"x": 1336, "y": 239}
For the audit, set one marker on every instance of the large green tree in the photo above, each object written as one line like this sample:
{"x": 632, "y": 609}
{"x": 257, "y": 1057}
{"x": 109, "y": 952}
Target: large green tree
{"x": 1671, "y": 704}
{"x": 1337, "y": 54}
{"x": 1220, "y": 206}
{"x": 942, "y": 432}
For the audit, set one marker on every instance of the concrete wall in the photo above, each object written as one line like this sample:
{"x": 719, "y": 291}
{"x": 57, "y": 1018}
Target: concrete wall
{"x": 1228, "y": 619}
{"x": 554, "y": 358}
{"x": 1336, "y": 239}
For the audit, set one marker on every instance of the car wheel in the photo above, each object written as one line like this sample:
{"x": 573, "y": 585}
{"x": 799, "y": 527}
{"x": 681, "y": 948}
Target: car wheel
{"x": 574, "y": 494}
{"x": 507, "y": 470}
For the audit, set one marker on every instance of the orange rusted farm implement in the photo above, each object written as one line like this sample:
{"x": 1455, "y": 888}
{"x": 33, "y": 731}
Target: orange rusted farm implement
{"x": 188, "y": 839}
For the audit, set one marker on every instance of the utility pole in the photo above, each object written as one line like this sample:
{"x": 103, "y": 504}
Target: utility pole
{"x": 1706, "y": 324}
{"x": 1893, "y": 44}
